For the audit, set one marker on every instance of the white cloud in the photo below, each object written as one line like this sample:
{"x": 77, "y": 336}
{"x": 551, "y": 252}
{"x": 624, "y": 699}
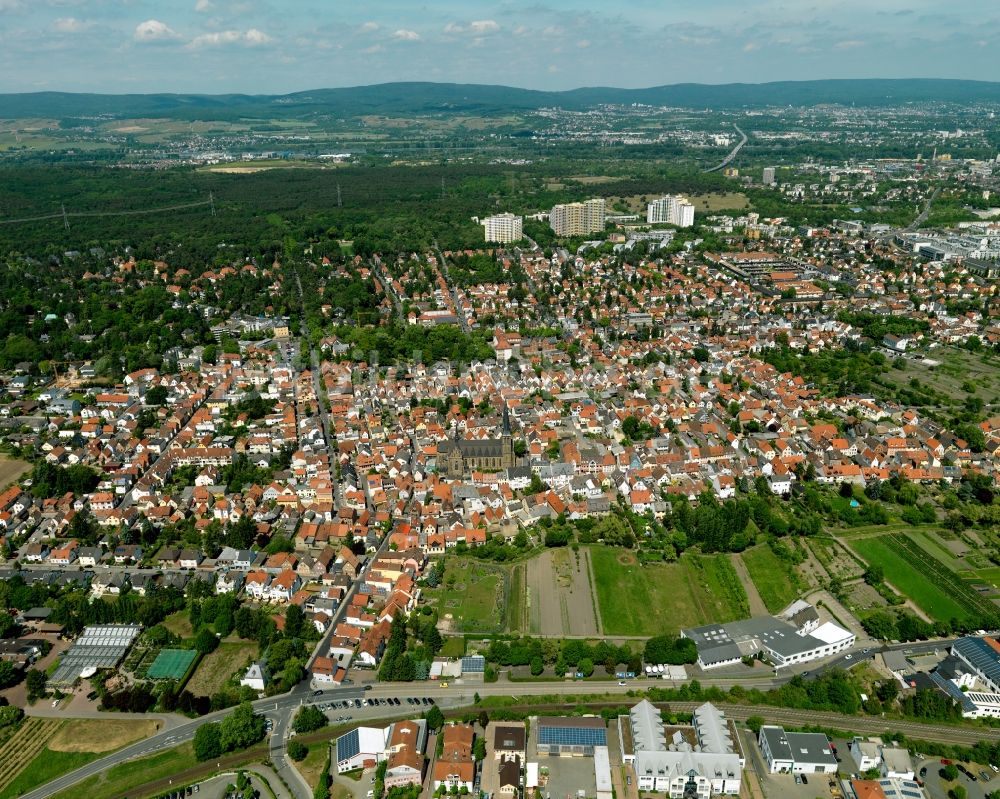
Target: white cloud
{"x": 583, "y": 44}
{"x": 375, "y": 48}
{"x": 202, "y": 6}
{"x": 368, "y": 27}
{"x": 251, "y": 38}
{"x": 255, "y": 37}
{"x": 406, "y": 36}
{"x": 849, "y": 44}
{"x": 152, "y": 30}
{"x": 70, "y": 25}
{"x": 477, "y": 27}
{"x": 484, "y": 26}
{"x": 749, "y": 47}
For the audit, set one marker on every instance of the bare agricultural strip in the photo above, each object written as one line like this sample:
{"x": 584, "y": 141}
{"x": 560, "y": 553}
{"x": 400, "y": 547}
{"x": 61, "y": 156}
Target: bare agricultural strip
{"x": 11, "y": 470}
{"x": 561, "y": 598}
{"x": 756, "y": 604}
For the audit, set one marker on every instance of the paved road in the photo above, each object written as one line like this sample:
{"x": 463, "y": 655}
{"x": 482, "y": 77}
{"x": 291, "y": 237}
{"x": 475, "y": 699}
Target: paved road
{"x": 732, "y": 155}
{"x": 452, "y": 289}
{"x": 215, "y": 788}
{"x": 922, "y": 217}
{"x": 275, "y": 708}
{"x": 282, "y": 764}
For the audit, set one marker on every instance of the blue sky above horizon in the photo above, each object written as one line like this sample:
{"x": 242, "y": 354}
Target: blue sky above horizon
{"x": 268, "y": 46}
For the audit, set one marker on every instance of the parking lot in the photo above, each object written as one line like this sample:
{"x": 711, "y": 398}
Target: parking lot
{"x": 986, "y": 780}
{"x": 359, "y": 709}
{"x": 566, "y": 775}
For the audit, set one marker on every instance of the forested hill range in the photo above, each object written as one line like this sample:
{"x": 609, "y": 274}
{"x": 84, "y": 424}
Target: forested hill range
{"x": 434, "y": 98}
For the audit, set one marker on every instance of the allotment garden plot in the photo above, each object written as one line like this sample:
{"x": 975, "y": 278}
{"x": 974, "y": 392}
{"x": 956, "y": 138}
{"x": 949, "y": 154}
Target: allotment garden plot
{"x": 934, "y": 587}
{"x": 473, "y": 596}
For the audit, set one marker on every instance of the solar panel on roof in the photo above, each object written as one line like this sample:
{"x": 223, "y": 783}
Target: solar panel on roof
{"x": 573, "y": 736}
{"x": 473, "y": 664}
{"x": 348, "y": 745}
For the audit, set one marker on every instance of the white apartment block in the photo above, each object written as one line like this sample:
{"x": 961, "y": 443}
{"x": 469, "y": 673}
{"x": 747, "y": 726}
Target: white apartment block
{"x": 578, "y": 219}
{"x": 503, "y": 228}
{"x": 671, "y": 210}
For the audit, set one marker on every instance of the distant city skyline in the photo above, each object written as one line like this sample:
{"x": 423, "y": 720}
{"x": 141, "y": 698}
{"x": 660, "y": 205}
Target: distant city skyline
{"x": 270, "y": 47}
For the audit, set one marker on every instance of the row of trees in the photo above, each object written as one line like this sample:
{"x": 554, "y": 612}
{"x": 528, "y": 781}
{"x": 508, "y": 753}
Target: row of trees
{"x": 562, "y": 655}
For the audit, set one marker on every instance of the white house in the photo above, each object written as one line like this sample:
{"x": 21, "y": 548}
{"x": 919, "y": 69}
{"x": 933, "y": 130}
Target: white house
{"x": 256, "y": 677}
{"x": 796, "y": 752}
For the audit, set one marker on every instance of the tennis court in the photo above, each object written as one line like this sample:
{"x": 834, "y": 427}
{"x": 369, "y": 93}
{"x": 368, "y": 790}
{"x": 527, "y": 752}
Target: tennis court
{"x": 171, "y": 664}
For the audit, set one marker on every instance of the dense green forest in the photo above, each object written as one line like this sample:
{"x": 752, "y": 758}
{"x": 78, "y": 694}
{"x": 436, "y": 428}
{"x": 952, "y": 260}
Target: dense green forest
{"x": 381, "y": 208}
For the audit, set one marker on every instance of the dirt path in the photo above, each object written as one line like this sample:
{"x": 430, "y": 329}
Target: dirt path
{"x": 757, "y": 606}
{"x": 562, "y": 596}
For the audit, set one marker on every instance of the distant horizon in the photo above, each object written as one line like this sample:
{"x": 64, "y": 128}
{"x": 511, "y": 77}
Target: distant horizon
{"x": 611, "y": 87}
{"x": 266, "y": 47}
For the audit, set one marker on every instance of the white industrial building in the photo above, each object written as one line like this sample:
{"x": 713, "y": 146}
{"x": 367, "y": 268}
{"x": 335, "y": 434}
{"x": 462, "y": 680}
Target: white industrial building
{"x": 971, "y": 676}
{"x": 796, "y": 752}
{"x": 362, "y": 747}
{"x": 798, "y": 640}
{"x": 602, "y": 772}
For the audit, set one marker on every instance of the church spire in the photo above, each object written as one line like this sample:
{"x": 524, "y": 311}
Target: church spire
{"x": 506, "y": 420}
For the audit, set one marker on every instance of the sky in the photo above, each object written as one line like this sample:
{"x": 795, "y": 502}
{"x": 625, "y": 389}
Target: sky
{"x": 274, "y": 47}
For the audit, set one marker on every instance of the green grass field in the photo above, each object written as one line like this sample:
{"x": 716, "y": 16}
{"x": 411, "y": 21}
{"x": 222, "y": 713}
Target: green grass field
{"x": 179, "y": 624}
{"x": 772, "y": 576}
{"x": 718, "y": 581}
{"x": 515, "y": 611}
{"x": 216, "y": 668}
{"x": 662, "y": 597}
{"x": 171, "y": 664}
{"x": 989, "y": 575}
{"x": 125, "y": 776}
{"x": 469, "y": 594}
{"x": 454, "y": 647}
{"x": 47, "y": 765}
{"x": 933, "y": 599}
